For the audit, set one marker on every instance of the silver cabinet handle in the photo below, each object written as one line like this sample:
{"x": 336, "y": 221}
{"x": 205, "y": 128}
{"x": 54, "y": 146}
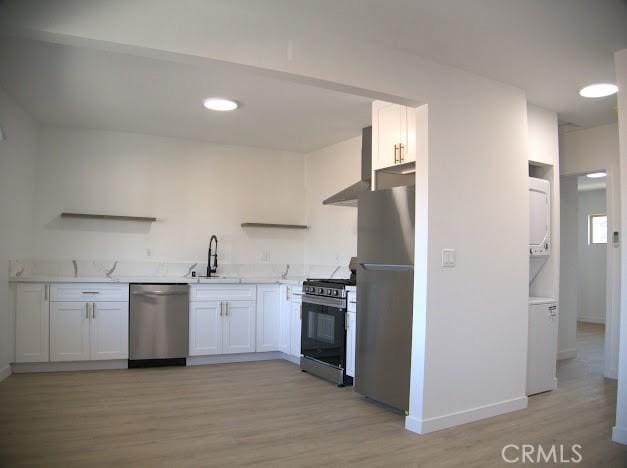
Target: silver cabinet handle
{"x": 45, "y": 292}
{"x": 93, "y": 310}
{"x": 91, "y": 292}
{"x": 87, "y": 310}
{"x": 226, "y": 306}
{"x": 221, "y": 304}
{"x": 353, "y": 302}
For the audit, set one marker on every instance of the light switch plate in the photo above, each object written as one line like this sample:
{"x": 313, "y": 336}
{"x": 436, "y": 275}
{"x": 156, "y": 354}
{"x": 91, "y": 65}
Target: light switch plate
{"x": 448, "y": 258}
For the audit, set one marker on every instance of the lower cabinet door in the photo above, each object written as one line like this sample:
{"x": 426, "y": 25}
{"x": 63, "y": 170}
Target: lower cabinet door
{"x": 205, "y": 328}
{"x": 69, "y": 331}
{"x": 238, "y": 327}
{"x": 285, "y": 319}
{"x": 32, "y": 323}
{"x": 268, "y": 321}
{"x": 108, "y": 333}
{"x": 351, "y": 335}
{"x": 296, "y": 329}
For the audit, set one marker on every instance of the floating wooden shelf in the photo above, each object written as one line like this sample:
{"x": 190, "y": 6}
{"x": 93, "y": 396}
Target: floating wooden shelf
{"x": 144, "y": 219}
{"x": 274, "y": 226}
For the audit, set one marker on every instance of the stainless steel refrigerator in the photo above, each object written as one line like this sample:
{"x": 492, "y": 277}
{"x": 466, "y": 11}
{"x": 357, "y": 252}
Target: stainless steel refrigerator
{"x": 385, "y": 294}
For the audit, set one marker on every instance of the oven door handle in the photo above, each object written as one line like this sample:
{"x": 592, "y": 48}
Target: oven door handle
{"x": 324, "y": 301}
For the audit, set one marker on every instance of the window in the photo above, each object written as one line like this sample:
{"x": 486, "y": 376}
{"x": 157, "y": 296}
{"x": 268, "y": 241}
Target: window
{"x": 597, "y": 229}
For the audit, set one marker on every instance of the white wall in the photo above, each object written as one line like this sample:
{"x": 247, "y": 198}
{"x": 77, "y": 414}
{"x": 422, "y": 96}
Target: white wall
{"x": 569, "y": 277}
{"x": 620, "y": 429}
{"x": 590, "y": 150}
{"x": 195, "y": 189}
{"x": 475, "y": 187}
{"x": 332, "y": 237}
{"x": 17, "y": 155}
{"x": 475, "y": 181}
{"x": 591, "y": 265}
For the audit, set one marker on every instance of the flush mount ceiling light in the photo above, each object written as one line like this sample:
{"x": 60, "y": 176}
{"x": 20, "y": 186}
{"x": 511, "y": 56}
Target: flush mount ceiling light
{"x": 220, "y": 104}
{"x": 596, "y": 175}
{"x": 598, "y": 90}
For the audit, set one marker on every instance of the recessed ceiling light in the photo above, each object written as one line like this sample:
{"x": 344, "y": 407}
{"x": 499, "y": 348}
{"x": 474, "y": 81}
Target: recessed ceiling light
{"x": 596, "y": 175}
{"x": 598, "y": 90}
{"x": 220, "y": 104}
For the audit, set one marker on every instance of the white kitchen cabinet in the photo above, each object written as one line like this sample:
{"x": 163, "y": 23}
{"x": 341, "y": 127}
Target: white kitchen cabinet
{"x": 393, "y": 135}
{"x": 108, "y": 331}
{"x": 88, "y": 292}
{"x": 92, "y": 330}
{"x": 221, "y": 327}
{"x": 295, "y": 327}
{"x": 351, "y": 335}
{"x": 205, "y": 328}
{"x": 32, "y": 323}
{"x": 69, "y": 331}
{"x": 238, "y": 327}
{"x": 285, "y": 318}
{"x": 268, "y": 321}
{"x": 222, "y": 292}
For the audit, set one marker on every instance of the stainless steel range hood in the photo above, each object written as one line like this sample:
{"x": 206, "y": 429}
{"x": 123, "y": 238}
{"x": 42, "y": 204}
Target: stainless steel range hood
{"x": 349, "y": 196}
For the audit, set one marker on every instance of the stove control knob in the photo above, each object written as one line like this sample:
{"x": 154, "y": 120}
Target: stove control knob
{"x": 329, "y": 292}
{"x": 320, "y": 290}
{"x": 336, "y": 293}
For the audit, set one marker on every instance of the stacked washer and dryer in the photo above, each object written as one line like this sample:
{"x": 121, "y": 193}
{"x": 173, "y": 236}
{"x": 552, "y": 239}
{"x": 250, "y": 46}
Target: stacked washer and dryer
{"x": 543, "y": 311}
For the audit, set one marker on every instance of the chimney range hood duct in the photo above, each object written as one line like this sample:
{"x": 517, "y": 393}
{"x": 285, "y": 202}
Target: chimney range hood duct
{"x": 349, "y": 196}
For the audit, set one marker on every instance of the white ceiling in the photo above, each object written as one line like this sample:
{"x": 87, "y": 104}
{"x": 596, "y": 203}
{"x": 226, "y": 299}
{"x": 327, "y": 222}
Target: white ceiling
{"x": 549, "y": 48}
{"x": 586, "y": 184}
{"x": 85, "y": 88}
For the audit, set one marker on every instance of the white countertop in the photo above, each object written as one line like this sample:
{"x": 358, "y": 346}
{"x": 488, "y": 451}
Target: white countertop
{"x": 533, "y": 300}
{"x": 153, "y": 279}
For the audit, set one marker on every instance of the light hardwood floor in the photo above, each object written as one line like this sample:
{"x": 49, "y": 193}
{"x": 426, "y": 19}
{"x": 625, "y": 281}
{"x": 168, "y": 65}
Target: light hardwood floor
{"x": 271, "y": 414}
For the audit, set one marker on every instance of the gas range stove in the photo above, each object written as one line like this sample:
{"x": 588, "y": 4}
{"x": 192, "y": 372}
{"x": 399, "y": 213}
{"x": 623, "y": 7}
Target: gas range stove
{"x": 324, "y": 325}
{"x": 327, "y": 287}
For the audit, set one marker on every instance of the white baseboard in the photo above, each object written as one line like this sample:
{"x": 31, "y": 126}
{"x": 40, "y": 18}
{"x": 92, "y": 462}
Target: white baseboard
{"x": 611, "y": 373}
{"x": 438, "y": 423}
{"x": 23, "y": 368}
{"x": 619, "y": 434}
{"x": 5, "y": 372}
{"x": 69, "y": 366}
{"x": 292, "y": 359}
{"x": 591, "y": 319}
{"x": 231, "y": 358}
{"x": 566, "y": 354}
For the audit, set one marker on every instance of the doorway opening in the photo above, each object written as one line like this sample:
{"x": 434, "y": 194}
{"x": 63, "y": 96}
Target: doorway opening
{"x": 585, "y": 239}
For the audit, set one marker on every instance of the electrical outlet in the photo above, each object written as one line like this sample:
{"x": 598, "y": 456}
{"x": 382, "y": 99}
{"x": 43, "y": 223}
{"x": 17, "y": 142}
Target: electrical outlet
{"x": 449, "y": 258}
{"x": 264, "y": 256}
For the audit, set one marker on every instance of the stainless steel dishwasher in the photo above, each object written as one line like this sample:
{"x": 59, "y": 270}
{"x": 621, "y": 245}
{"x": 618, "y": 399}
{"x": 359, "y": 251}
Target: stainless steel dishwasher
{"x": 159, "y": 324}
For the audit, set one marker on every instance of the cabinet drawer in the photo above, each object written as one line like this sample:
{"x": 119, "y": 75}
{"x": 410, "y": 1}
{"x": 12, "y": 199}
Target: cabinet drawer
{"x": 90, "y": 292}
{"x": 226, "y": 292}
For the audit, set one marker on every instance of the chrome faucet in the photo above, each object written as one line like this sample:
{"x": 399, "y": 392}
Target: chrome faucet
{"x": 212, "y": 253}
